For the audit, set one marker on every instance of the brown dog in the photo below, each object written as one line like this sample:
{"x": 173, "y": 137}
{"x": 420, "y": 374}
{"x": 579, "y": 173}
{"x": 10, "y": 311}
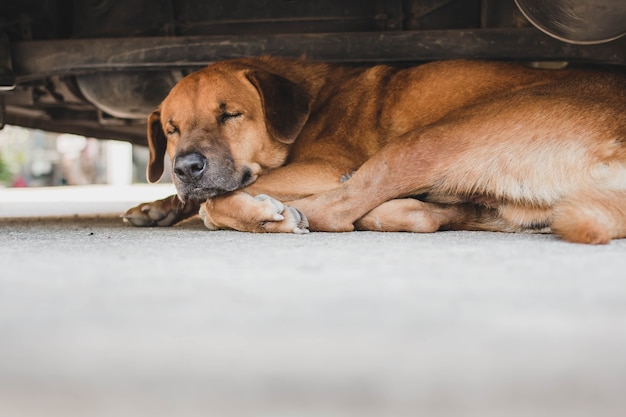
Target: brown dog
{"x": 464, "y": 145}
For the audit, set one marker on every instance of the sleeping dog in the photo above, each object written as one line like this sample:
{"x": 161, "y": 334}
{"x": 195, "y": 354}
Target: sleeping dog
{"x": 276, "y": 145}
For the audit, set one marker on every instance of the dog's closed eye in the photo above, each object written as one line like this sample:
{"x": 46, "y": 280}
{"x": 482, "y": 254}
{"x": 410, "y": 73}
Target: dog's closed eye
{"x": 170, "y": 127}
{"x": 229, "y": 115}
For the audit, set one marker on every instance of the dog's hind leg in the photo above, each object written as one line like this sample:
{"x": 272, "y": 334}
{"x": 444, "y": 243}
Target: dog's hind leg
{"x": 378, "y": 180}
{"x": 412, "y": 215}
{"x": 594, "y": 216}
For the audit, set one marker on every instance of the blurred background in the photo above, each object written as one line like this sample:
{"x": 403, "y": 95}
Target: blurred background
{"x": 35, "y": 158}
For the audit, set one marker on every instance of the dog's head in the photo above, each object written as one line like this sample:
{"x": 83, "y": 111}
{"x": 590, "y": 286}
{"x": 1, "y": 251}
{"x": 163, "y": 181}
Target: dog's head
{"x": 224, "y": 126}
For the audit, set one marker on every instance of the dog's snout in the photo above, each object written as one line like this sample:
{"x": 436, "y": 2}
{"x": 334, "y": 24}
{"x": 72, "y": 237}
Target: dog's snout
{"x": 190, "y": 166}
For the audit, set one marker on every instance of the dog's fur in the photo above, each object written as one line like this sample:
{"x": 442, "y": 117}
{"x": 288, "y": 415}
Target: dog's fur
{"x": 466, "y": 145}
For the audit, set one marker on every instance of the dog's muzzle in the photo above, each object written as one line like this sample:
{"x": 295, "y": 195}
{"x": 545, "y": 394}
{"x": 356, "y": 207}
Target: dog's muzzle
{"x": 198, "y": 177}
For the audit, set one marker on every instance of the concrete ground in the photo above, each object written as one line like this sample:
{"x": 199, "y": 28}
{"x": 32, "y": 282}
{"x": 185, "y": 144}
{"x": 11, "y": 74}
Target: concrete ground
{"x": 98, "y": 318}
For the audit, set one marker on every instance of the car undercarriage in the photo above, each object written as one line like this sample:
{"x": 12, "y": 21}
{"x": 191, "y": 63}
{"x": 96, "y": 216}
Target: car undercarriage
{"x": 99, "y": 67}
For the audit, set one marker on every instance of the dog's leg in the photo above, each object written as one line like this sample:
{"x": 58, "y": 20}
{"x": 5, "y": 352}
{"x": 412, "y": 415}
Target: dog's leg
{"x": 243, "y": 212}
{"x": 376, "y": 182}
{"x": 411, "y": 215}
{"x": 253, "y": 210}
{"x": 595, "y": 216}
{"x": 165, "y": 212}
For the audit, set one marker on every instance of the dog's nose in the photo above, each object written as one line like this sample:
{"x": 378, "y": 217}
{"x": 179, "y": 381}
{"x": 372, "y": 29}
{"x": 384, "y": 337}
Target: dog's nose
{"x": 190, "y": 166}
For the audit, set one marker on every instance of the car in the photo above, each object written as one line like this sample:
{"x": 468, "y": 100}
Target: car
{"x": 99, "y": 67}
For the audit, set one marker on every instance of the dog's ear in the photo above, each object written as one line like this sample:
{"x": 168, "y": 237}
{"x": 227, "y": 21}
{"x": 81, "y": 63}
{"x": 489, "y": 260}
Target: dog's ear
{"x": 285, "y": 103}
{"x": 157, "y": 143}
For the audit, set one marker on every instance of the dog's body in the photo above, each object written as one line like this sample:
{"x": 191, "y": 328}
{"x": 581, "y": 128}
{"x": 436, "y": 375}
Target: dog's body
{"x": 465, "y": 145}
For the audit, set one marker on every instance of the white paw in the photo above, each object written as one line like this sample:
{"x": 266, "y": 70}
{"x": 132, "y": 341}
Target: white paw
{"x": 205, "y": 218}
{"x": 285, "y": 219}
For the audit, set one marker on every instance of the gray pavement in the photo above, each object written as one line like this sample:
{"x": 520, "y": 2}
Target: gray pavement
{"x": 101, "y": 319}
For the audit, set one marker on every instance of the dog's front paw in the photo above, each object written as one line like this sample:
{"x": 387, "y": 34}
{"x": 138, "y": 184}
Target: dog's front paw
{"x": 245, "y": 213}
{"x": 148, "y": 215}
{"x": 207, "y": 219}
{"x": 284, "y": 219}
{"x": 165, "y": 212}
